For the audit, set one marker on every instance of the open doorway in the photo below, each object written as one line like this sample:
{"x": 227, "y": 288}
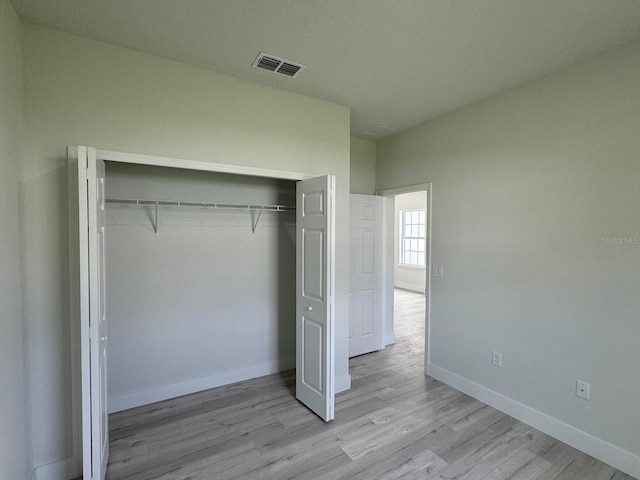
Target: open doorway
{"x": 410, "y": 279}
{"x": 406, "y": 264}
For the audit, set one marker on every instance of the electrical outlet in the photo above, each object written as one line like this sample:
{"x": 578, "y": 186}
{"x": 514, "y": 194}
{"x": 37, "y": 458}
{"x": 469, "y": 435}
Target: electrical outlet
{"x": 496, "y": 358}
{"x": 583, "y": 389}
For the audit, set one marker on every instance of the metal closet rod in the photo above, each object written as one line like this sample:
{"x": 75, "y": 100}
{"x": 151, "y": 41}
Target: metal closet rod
{"x": 175, "y": 203}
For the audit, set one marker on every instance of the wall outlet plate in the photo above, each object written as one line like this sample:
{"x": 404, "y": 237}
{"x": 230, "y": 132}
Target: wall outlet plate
{"x": 583, "y": 389}
{"x": 496, "y": 358}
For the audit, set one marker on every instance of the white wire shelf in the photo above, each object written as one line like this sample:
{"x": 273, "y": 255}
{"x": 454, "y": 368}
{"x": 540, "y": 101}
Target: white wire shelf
{"x": 252, "y": 208}
{"x": 175, "y": 203}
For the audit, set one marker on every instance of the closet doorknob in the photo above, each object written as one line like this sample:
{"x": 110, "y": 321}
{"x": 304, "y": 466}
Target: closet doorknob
{"x": 104, "y": 339}
{"x": 309, "y": 309}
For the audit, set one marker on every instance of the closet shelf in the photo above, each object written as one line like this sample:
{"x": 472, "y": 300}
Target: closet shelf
{"x": 252, "y": 208}
{"x": 173, "y": 203}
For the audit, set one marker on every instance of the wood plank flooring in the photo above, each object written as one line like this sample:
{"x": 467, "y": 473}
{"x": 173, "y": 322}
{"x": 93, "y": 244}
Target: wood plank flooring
{"x": 394, "y": 423}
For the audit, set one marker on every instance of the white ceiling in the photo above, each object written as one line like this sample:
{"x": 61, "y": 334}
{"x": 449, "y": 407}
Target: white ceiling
{"x": 395, "y": 63}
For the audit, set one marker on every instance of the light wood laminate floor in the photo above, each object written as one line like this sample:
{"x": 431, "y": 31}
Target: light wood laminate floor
{"x": 394, "y": 423}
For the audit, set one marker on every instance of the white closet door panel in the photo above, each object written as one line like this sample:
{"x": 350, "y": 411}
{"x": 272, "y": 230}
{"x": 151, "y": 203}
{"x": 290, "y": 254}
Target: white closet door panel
{"x": 315, "y": 310}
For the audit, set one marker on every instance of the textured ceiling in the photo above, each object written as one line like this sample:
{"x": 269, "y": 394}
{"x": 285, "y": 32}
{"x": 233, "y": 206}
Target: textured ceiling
{"x": 395, "y": 63}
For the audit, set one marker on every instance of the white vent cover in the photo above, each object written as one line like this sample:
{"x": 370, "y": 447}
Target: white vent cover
{"x": 378, "y": 131}
{"x": 271, "y": 63}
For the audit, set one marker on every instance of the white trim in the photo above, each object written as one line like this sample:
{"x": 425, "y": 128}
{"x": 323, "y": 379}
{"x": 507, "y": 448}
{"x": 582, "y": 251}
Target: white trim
{"x": 83, "y": 310}
{"x": 60, "y": 470}
{"x": 380, "y": 259}
{"x": 420, "y": 187}
{"x": 410, "y": 267}
{"x": 126, "y": 401}
{"x": 389, "y": 339}
{"x": 427, "y": 289}
{"x": 386, "y": 289}
{"x": 343, "y": 383}
{"x": 410, "y": 286}
{"x": 583, "y": 441}
{"x": 139, "y": 159}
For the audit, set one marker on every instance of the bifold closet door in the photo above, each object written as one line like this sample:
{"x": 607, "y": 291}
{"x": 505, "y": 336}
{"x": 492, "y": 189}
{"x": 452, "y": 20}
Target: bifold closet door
{"x": 93, "y": 320}
{"x": 315, "y": 295}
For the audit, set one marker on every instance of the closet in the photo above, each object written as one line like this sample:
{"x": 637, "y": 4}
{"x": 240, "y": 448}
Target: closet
{"x": 205, "y": 277}
{"x": 200, "y": 275}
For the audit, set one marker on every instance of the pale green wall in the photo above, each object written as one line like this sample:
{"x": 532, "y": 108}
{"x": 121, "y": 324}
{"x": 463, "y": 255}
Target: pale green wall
{"x": 79, "y": 91}
{"x": 363, "y": 165}
{"x": 527, "y": 187}
{"x": 13, "y": 451}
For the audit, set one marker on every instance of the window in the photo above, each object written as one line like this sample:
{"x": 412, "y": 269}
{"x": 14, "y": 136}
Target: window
{"x": 412, "y": 235}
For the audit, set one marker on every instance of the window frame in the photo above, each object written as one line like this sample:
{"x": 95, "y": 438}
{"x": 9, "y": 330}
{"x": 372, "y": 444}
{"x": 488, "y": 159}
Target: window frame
{"x": 420, "y": 247}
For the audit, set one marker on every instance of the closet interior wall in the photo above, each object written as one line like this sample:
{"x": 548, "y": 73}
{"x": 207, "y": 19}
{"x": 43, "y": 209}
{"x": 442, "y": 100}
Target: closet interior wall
{"x": 205, "y": 302}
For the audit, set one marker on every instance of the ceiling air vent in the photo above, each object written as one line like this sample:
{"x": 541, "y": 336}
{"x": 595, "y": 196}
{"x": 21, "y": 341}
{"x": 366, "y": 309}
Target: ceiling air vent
{"x": 378, "y": 131}
{"x": 274, "y": 64}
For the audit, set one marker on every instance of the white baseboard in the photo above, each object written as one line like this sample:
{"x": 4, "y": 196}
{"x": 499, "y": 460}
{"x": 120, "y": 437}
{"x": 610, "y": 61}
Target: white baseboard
{"x": 125, "y": 401}
{"x": 61, "y": 470}
{"x": 583, "y": 441}
{"x": 410, "y": 286}
{"x": 343, "y": 383}
{"x": 389, "y": 339}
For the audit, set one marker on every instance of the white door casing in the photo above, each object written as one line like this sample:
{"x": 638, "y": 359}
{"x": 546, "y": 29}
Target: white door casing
{"x": 365, "y": 260}
{"x": 315, "y": 295}
{"x": 93, "y": 320}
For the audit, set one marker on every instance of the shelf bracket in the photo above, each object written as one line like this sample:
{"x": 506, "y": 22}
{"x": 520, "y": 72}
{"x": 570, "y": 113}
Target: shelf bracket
{"x": 254, "y": 221}
{"x": 155, "y": 224}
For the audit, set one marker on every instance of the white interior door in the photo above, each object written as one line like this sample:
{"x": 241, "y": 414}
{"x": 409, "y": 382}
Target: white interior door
{"x": 365, "y": 261}
{"x": 93, "y": 323}
{"x": 315, "y": 295}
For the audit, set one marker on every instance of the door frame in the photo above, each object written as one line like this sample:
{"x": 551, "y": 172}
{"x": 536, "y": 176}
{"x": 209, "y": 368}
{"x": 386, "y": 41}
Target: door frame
{"x": 388, "y": 233}
{"x": 75, "y": 267}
